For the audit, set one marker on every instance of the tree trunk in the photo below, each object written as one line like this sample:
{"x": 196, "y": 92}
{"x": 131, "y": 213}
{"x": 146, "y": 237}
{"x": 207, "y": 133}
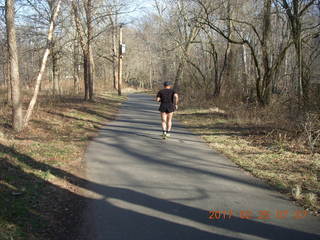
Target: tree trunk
{"x": 55, "y": 84}
{"x": 266, "y": 87}
{"x": 246, "y": 71}
{"x": 8, "y": 82}
{"x": 179, "y": 74}
{"x": 14, "y": 67}
{"x": 230, "y": 64}
{"x": 185, "y": 51}
{"x": 85, "y": 76}
{"x": 43, "y": 65}
{"x": 298, "y": 48}
{"x": 219, "y": 76}
{"x": 89, "y": 75}
{"x": 89, "y": 49}
{"x": 230, "y": 61}
{"x": 76, "y": 66}
{"x": 295, "y": 15}
{"x": 296, "y": 31}
{"x": 92, "y": 73}
{"x": 84, "y": 48}
{"x": 6, "y": 73}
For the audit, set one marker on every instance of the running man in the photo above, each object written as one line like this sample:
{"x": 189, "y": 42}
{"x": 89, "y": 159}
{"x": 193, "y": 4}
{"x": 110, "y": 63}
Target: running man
{"x": 169, "y": 103}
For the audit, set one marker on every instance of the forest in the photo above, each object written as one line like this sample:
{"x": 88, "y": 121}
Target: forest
{"x": 253, "y": 52}
{"x": 243, "y": 67}
{"x": 257, "y": 53}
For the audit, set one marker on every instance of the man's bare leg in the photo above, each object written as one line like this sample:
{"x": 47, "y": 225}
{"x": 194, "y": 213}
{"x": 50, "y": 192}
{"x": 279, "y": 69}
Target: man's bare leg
{"x": 169, "y": 121}
{"x": 164, "y": 122}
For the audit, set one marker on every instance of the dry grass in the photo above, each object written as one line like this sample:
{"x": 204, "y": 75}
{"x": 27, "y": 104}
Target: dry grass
{"x": 41, "y": 171}
{"x": 129, "y": 90}
{"x": 271, "y": 153}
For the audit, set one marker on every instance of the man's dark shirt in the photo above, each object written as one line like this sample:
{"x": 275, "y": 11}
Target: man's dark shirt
{"x": 166, "y": 96}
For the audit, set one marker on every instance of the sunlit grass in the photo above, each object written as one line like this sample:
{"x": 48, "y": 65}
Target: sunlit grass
{"x": 31, "y": 192}
{"x": 258, "y": 152}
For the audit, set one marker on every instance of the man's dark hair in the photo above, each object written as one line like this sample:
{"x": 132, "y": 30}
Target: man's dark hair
{"x": 166, "y": 84}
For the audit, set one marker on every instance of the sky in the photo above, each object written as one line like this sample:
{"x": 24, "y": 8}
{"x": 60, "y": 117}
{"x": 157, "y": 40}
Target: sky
{"x": 142, "y": 8}
{"x": 137, "y": 9}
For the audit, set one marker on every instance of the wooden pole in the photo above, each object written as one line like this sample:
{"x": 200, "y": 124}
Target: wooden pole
{"x": 115, "y": 55}
{"x": 120, "y": 62}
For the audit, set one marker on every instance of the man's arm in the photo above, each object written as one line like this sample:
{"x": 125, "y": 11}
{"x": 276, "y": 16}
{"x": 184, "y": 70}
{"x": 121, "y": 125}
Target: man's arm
{"x": 158, "y": 97}
{"x": 176, "y": 100}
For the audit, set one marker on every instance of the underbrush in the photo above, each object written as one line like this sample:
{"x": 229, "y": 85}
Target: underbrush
{"x": 276, "y": 143}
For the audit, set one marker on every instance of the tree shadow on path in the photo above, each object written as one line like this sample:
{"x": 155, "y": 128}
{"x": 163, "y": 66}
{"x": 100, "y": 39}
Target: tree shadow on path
{"x": 123, "y": 221}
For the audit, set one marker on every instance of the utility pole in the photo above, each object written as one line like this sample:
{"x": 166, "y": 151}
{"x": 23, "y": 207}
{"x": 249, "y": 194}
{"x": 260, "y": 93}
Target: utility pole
{"x": 301, "y": 93}
{"x": 115, "y": 54}
{"x": 120, "y": 61}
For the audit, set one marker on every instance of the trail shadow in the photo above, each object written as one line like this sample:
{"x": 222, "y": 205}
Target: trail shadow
{"x": 25, "y": 203}
{"x": 168, "y": 229}
{"x": 125, "y": 216}
{"x": 80, "y": 119}
{"x": 147, "y": 158}
{"x": 95, "y": 113}
{"x": 176, "y": 129}
{"x": 62, "y": 100}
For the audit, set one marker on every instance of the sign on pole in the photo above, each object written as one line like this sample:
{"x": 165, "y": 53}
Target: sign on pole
{"x": 122, "y": 49}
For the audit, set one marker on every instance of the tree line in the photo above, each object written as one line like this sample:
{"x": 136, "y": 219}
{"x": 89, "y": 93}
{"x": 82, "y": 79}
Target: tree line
{"x": 255, "y": 52}
{"x": 52, "y": 46}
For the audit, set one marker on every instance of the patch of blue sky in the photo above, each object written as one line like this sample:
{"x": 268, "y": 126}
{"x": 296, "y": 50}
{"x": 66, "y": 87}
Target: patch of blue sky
{"x": 139, "y": 9}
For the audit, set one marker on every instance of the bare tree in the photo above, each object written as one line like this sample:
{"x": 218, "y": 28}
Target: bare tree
{"x": 43, "y": 64}
{"x": 85, "y": 39}
{"x": 295, "y": 11}
{"x": 17, "y": 117}
{"x": 81, "y": 35}
{"x": 90, "y": 61}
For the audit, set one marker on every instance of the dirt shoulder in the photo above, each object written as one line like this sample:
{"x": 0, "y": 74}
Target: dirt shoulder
{"x": 269, "y": 154}
{"x": 42, "y": 175}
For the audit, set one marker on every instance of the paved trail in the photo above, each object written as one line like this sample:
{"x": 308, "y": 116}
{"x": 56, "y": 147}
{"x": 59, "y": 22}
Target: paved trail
{"x": 145, "y": 188}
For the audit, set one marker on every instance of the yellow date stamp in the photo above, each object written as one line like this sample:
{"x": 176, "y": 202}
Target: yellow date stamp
{"x": 258, "y": 214}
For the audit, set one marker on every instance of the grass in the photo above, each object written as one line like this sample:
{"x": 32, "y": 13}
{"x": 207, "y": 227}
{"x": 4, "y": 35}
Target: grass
{"x": 281, "y": 161}
{"x": 41, "y": 168}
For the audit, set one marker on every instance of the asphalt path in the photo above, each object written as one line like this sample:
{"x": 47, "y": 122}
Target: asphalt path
{"x": 146, "y": 188}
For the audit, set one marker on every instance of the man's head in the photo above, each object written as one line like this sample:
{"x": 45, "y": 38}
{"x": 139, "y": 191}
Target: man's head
{"x": 167, "y": 84}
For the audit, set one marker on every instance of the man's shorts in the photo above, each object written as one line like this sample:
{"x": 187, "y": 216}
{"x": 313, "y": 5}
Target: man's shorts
{"x": 166, "y": 108}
